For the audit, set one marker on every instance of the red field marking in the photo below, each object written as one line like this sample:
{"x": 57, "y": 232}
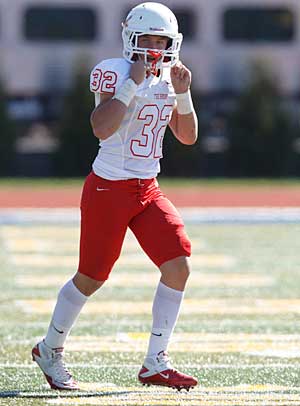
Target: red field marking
{"x": 252, "y": 196}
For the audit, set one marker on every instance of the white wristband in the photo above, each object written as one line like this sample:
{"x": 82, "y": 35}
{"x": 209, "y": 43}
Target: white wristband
{"x": 126, "y": 92}
{"x": 184, "y": 103}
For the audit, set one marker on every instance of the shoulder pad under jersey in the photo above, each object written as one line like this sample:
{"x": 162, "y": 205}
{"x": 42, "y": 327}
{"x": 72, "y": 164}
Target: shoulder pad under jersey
{"x": 109, "y": 75}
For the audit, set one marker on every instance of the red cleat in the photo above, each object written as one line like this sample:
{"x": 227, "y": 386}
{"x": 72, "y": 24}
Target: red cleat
{"x": 158, "y": 371}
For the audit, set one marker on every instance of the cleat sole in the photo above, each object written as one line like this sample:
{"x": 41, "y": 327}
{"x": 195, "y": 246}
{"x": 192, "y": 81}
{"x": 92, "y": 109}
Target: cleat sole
{"x": 178, "y": 387}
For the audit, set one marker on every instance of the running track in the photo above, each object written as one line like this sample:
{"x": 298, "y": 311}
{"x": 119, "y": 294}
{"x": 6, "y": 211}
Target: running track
{"x": 224, "y": 196}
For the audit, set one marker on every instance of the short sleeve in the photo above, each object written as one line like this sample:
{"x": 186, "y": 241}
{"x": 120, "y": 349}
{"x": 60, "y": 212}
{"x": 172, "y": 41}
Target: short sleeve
{"x": 108, "y": 76}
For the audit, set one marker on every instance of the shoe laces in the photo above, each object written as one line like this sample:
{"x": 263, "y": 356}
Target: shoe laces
{"x": 59, "y": 366}
{"x": 163, "y": 359}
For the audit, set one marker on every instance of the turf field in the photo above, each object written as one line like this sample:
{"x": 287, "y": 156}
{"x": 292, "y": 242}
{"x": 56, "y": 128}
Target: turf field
{"x": 239, "y": 330}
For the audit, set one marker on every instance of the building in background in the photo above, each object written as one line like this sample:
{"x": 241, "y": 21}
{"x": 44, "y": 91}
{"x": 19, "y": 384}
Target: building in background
{"x": 42, "y": 42}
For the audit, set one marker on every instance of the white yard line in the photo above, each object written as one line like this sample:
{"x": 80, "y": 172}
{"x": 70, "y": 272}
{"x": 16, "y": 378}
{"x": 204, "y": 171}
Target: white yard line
{"x": 137, "y": 366}
{"x": 192, "y": 215}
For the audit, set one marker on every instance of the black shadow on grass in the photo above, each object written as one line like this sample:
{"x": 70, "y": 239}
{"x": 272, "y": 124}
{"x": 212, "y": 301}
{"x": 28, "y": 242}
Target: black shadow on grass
{"x": 61, "y": 394}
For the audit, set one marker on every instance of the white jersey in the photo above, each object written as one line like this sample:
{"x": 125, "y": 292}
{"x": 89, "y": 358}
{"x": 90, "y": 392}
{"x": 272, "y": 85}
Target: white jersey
{"x": 135, "y": 149}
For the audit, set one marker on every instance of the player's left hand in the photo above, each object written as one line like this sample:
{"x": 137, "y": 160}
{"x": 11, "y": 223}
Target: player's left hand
{"x": 181, "y": 78}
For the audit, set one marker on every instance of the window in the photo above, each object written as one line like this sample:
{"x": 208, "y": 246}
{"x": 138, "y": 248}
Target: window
{"x": 187, "y": 22}
{"x": 254, "y": 24}
{"x": 47, "y": 23}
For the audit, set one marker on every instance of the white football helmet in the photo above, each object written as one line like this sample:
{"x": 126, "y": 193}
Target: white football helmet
{"x": 152, "y": 19}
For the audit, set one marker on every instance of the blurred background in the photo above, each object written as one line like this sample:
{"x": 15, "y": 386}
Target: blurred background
{"x": 244, "y": 56}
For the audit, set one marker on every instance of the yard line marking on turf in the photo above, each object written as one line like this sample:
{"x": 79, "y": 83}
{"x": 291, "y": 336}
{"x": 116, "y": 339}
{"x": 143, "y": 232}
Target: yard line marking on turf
{"x": 205, "y": 324}
{"x": 110, "y": 394}
{"x": 267, "y": 395}
{"x": 191, "y": 338}
{"x": 40, "y": 260}
{"x": 191, "y": 215}
{"x": 286, "y": 325}
{"x": 276, "y": 353}
{"x": 155, "y": 400}
{"x": 150, "y": 278}
{"x": 217, "y": 306}
{"x": 91, "y": 388}
{"x": 43, "y": 244}
{"x": 263, "y": 345}
{"x": 240, "y": 215}
{"x": 198, "y": 366}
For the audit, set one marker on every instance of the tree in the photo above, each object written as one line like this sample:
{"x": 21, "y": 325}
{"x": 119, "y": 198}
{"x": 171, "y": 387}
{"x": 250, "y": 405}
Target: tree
{"x": 78, "y": 145}
{"x": 260, "y": 130}
{"x": 8, "y": 138}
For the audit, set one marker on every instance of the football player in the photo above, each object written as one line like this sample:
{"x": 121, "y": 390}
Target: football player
{"x": 136, "y": 96}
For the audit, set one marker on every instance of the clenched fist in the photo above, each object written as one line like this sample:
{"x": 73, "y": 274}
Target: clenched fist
{"x": 181, "y": 78}
{"x": 138, "y": 71}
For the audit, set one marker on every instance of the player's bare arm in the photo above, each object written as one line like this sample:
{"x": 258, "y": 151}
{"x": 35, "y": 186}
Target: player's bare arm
{"x": 183, "y": 126}
{"x": 107, "y": 117}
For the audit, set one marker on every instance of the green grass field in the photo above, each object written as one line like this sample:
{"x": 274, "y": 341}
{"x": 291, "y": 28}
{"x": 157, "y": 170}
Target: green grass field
{"x": 239, "y": 330}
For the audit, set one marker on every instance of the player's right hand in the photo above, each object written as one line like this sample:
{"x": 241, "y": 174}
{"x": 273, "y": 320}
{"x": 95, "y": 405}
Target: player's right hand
{"x": 138, "y": 71}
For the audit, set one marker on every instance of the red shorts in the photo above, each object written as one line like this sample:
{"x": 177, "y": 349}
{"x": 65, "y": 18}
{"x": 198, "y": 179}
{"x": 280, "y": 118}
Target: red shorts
{"x": 109, "y": 207}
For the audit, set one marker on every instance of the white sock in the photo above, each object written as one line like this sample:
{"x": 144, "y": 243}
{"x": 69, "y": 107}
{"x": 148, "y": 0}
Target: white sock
{"x": 165, "y": 310}
{"x": 69, "y": 304}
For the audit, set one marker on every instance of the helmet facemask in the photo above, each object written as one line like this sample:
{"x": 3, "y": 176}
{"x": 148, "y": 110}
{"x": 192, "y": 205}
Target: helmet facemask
{"x": 158, "y": 57}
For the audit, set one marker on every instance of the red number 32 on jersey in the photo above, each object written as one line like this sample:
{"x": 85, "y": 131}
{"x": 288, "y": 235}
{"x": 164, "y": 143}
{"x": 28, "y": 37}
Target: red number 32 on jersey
{"x": 103, "y": 82}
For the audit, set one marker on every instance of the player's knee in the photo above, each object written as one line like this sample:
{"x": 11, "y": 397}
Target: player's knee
{"x": 185, "y": 268}
{"x": 86, "y": 285}
{"x": 179, "y": 265}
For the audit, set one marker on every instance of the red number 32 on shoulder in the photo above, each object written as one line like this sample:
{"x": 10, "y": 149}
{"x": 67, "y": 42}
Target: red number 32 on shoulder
{"x": 103, "y": 82}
